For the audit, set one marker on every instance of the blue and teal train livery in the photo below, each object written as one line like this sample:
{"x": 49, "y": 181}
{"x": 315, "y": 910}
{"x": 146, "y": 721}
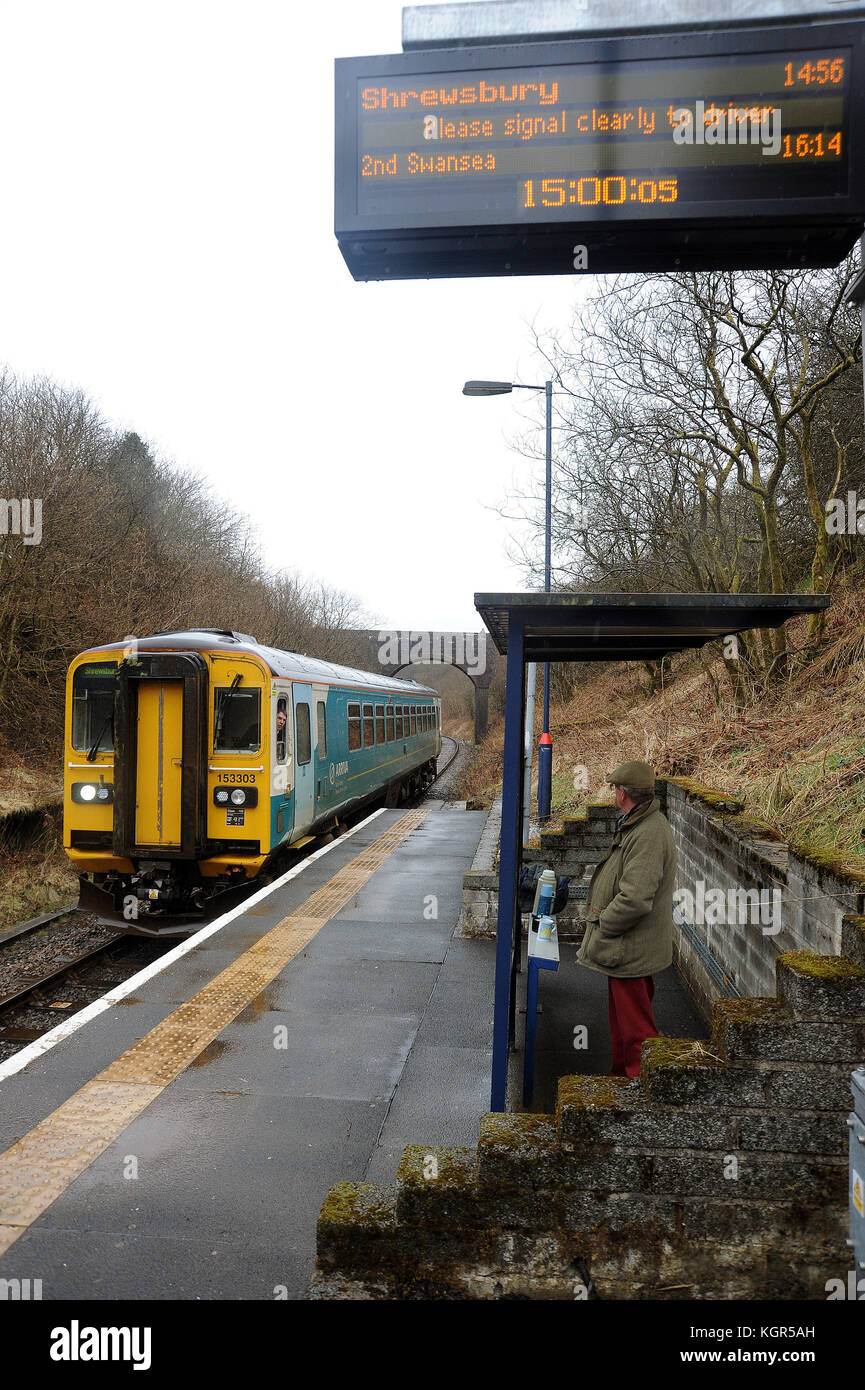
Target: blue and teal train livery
{"x": 196, "y": 761}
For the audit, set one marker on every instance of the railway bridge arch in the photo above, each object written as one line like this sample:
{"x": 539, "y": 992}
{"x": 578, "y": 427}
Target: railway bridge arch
{"x": 392, "y": 652}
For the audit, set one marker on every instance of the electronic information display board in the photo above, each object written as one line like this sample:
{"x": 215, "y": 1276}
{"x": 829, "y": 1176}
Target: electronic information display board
{"x": 742, "y": 148}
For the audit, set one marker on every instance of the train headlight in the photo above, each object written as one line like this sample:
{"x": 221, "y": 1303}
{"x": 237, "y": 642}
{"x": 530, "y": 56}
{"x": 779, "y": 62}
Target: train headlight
{"x": 236, "y": 796}
{"x": 88, "y": 792}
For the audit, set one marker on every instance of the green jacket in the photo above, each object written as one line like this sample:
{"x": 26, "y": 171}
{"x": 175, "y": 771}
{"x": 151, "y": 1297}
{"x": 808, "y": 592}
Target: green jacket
{"x": 629, "y": 913}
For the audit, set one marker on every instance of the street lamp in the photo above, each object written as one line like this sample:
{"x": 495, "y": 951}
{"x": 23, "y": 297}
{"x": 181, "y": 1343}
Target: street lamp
{"x": 545, "y": 750}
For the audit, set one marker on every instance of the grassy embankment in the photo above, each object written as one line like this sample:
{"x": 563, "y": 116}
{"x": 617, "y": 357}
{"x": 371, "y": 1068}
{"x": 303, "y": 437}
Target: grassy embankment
{"x": 35, "y": 874}
{"x": 796, "y": 756}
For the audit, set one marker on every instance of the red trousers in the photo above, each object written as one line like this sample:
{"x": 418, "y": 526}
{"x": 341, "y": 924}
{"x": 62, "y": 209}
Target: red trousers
{"x": 631, "y": 1021}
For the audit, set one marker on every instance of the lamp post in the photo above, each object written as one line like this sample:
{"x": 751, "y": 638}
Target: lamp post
{"x": 545, "y": 749}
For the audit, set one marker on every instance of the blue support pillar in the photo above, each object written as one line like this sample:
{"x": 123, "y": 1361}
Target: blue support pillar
{"x": 531, "y": 1031}
{"x": 509, "y": 858}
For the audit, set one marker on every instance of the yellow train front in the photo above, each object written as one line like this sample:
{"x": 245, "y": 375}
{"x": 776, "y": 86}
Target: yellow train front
{"x": 198, "y": 761}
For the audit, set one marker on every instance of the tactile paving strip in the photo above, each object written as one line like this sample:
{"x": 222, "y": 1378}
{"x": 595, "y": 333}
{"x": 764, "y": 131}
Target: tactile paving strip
{"x": 40, "y": 1166}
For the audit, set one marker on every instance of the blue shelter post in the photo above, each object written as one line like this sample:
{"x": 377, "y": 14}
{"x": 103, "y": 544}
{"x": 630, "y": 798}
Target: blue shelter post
{"x": 511, "y": 840}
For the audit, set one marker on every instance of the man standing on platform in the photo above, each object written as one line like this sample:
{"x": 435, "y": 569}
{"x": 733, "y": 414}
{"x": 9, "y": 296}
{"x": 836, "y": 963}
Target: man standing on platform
{"x": 629, "y": 913}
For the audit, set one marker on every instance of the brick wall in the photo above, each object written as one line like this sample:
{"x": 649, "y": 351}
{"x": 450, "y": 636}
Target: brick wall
{"x": 718, "y": 847}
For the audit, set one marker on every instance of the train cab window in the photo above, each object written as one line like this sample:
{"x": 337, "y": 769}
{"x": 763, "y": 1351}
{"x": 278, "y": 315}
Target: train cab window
{"x": 379, "y": 723}
{"x": 390, "y": 724}
{"x": 321, "y": 721}
{"x": 353, "y": 726}
{"x": 303, "y": 745}
{"x": 236, "y": 720}
{"x": 281, "y": 728}
{"x": 368, "y": 726}
{"x": 399, "y": 721}
{"x": 93, "y": 708}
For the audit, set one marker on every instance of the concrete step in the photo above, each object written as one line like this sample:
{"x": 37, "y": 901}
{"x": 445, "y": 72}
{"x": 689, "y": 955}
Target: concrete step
{"x": 853, "y": 938}
{"x": 676, "y": 1071}
{"x": 612, "y": 1112}
{"x": 754, "y": 1029}
{"x": 813, "y": 986}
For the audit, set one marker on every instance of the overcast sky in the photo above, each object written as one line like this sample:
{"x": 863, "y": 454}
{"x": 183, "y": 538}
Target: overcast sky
{"x": 167, "y": 239}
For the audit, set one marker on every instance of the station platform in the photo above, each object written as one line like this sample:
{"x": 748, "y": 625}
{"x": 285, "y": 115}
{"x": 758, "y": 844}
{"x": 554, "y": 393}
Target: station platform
{"x": 179, "y": 1145}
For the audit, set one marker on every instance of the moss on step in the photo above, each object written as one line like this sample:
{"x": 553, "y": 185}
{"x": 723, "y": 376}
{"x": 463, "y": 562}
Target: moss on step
{"x": 820, "y": 967}
{"x": 595, "y": 1092}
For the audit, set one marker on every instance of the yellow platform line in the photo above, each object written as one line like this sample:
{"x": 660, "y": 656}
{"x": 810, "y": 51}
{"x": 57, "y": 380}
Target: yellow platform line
{"x": 37, "y": 1169}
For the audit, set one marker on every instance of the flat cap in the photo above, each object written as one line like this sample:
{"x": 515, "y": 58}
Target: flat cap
{"x": 638, "y": 776}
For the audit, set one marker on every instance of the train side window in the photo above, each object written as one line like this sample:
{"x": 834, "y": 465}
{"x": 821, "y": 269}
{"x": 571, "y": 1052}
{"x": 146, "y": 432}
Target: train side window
{"x": 379, "y": 723}
{"x": 321, "y": 717}
{"x": 236, "y": 720}
{"x": 353, "y": 726}
{"x": 414, "y": 719}
{"x": 303, "y": 746}
{"x": 281, "y": 728}
{"x": 399, "y": 721}
{"x": 425, "y": 718}
{"x": 368, "y": 726}
{"x": 390, "y": 724}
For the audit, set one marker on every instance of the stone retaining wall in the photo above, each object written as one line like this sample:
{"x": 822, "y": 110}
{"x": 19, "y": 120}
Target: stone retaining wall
{"x": 574, "y": 850}
{"x": 722, "y": 850}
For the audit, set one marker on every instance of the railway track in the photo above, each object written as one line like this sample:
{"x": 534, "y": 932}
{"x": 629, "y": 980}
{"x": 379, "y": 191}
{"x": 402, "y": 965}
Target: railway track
{"x": 61, "y": 973}
{"x": 440, "y": 771}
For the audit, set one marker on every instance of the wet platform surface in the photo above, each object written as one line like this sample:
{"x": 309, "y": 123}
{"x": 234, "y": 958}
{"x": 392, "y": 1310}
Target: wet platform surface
{"x": 377, "y": 1034}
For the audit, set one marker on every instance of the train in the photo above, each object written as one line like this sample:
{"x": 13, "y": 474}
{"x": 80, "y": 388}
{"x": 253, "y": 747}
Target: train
{"x": 198, "y": 763}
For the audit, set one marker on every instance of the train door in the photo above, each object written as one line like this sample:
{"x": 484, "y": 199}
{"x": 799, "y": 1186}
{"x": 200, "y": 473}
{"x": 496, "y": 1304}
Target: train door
{"x": 160, "y": 763}
{"x": 281, "y": 778}
{"x": 304, "y": 767}
{"x": 320, "y": 759}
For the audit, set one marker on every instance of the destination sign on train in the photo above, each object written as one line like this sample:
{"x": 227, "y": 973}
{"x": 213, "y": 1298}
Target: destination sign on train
{"x": 741, "y": 148}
